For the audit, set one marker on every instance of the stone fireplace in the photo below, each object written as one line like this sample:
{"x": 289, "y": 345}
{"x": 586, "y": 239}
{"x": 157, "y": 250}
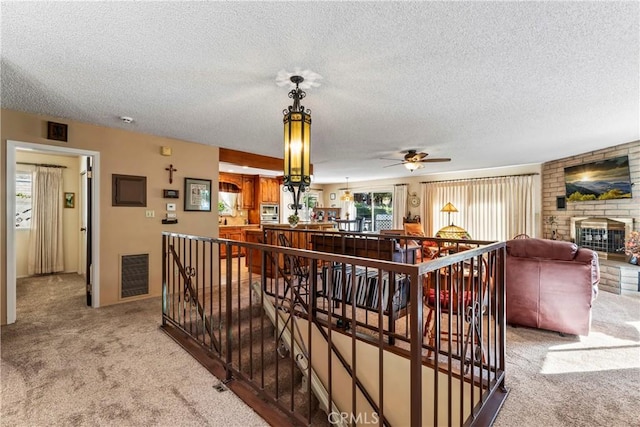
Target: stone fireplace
{"x": 606, "y": 236}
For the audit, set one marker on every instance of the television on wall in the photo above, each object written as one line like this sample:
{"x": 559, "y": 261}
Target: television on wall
{"x": 602, "y": 180}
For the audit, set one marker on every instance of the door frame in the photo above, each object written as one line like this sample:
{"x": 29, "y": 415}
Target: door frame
{"x": 12, "y": 146}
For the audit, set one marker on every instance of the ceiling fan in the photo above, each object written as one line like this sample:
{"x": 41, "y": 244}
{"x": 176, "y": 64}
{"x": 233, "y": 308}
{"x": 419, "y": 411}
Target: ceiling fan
{"x": 414, "y": 160}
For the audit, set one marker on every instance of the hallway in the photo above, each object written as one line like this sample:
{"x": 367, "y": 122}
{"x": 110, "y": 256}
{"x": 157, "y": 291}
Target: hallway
{"x": 66, "y": 364}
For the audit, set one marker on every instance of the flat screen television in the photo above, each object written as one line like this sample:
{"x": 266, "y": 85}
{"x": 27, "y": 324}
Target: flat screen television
{"x": 602, "y": 180}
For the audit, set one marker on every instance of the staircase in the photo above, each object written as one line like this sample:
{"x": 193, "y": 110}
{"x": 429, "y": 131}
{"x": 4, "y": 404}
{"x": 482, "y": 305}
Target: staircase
{"x": 228, "y": 318}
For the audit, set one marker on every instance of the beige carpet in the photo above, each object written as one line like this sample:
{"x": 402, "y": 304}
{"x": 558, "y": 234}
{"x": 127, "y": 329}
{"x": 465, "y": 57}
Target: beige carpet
{"x": 65, "y": 364}
{"x": 577, "y": 381}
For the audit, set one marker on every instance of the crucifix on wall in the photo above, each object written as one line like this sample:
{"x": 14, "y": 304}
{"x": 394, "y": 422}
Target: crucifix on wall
{"x": 171, "y": 171}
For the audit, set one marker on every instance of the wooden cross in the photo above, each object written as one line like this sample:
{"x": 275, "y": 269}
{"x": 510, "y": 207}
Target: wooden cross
{"x": 171, "y": 171}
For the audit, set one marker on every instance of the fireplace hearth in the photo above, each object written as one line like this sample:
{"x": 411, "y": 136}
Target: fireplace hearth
{"x": 603, "y": 235}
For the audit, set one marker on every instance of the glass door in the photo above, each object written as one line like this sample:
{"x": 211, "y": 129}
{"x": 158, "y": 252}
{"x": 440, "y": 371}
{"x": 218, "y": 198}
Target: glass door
{"x": 376, "y": 208}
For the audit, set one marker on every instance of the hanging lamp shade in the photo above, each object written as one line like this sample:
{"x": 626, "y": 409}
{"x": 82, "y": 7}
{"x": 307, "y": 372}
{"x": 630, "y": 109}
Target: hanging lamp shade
{"x": 347, "y": 196}
{"x": 413, "y": 166}
{"x": 297, "y": 145}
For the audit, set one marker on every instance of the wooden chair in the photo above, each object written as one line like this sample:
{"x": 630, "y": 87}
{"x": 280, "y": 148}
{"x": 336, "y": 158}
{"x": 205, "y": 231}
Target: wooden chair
{"x": 462, "y": 286}
{"x": 294, "y": 268}
{"x": 521, "y": 236}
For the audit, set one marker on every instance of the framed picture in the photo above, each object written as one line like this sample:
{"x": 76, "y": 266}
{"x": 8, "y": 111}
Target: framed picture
{"x": 128, "y": 190}
{"x": 332, "y": 196}
{"x": 69, "y": 200}
{"x": 197, "y": 194}
{"x": 57, "y": 131}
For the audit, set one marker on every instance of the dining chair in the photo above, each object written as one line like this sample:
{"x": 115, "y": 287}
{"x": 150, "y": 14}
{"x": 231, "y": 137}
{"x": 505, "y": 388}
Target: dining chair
{"x": 293, "y": 267}
{"x": 463, "y": 297}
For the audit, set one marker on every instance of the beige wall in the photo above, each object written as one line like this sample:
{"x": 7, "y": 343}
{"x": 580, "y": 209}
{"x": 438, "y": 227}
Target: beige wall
{"x": 123, "y": 230}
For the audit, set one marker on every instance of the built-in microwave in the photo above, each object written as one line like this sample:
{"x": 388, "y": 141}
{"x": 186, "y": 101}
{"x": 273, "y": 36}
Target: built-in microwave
{"x": 269, "y": 214}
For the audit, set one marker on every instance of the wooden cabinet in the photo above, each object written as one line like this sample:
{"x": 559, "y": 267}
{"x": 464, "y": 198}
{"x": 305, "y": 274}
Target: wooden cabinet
{"x": 257, "y": 236}
{"x": 231, "y": 178}
{"x": 231, "y": 233}
{"x": 269, "y": 190}
{"x": 248, "y": 189}
{"x": 327, "y": 214}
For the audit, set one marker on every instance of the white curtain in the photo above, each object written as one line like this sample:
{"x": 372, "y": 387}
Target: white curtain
{"x": 488, "y": 208}
{"x": 45, "y": 238}
{"x": 399, "y": 205}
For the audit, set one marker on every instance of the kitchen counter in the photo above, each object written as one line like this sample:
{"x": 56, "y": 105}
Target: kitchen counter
{"x": 239, "y": 226}
{"x": 306, "y": 225}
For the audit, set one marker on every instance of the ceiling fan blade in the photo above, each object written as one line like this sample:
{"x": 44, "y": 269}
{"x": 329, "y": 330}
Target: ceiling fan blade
{"x": 433, "y": 160}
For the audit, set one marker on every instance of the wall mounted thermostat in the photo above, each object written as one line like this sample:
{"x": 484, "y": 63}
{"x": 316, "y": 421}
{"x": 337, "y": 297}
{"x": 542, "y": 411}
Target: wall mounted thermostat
{"x": 171, "y": 206}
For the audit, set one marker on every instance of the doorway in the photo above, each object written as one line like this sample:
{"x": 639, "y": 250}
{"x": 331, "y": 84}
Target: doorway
{"x": 93, "y": 243}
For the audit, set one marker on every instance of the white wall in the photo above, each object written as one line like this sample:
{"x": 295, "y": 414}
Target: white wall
{"x": 70, "y": 216}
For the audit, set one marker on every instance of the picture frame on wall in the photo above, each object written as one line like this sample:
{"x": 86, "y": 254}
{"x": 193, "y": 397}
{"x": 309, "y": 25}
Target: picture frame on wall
{"x": 197, "y": 195}
{"x": 70, "y": 200}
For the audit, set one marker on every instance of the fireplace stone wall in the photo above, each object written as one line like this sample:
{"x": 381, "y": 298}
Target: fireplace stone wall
{"x": 559, "y": 219}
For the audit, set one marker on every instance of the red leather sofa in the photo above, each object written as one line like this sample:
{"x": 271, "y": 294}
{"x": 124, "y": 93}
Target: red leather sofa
{"x": 551, "y": 285}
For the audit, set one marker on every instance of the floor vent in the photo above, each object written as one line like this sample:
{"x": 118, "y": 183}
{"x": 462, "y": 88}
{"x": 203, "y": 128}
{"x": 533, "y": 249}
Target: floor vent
{"x": 135, "y": 275}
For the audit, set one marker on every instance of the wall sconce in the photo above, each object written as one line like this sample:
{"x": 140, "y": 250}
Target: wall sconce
{"x": 165, "y": 151}
{"x": 297, "y": 145}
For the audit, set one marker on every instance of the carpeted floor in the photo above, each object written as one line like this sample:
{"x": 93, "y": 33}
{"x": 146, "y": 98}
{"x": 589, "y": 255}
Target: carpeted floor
{"x": 577, "y": 381}
{"x": 68, "y": 365}
{"x": 64, "y": 364}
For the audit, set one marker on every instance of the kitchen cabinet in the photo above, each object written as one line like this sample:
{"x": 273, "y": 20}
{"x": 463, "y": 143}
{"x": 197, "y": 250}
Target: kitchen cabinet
{"x": 231, "y": 233}
{"x": 248, "y": 189}
{"x": 269, "y": 190}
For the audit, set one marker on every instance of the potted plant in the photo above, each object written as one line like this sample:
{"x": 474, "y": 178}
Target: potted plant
{"x": 632, "y": 247}
{"x": 293, "y": 220}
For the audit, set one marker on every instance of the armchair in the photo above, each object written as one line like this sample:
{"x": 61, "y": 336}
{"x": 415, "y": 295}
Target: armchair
{"x": 551, "y": 284}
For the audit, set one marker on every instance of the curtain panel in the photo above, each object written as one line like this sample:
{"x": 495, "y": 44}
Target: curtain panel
{"x": 488, "y": 208}
{"x": 399, "y": 205}
{"x": 45, "y": 237}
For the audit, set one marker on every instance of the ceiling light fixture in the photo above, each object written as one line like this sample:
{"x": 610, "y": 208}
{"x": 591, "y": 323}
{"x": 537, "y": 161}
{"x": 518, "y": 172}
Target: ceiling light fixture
{"x": 413, "y": 166}
{"x": 347, "y": 196}
{"x": 297, "y": 145}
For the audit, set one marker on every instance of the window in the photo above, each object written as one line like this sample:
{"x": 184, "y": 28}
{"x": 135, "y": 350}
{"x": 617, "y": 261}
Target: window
{"x": 376, "y": 208}
{"x": 24, "y": 182}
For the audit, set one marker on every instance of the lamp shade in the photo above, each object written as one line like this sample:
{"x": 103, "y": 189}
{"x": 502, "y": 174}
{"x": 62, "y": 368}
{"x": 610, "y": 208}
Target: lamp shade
{"x": 413, "y": 166}
{"x": 297, "y": 148}
{"x": 297, "y": 145}
{"x": 347, "y": 196}
{"x": 449, "y": 208}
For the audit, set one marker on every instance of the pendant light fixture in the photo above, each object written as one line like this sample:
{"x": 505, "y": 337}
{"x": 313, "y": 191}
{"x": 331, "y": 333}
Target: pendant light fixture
{"x": 297, "y": 145}
{"x": 347, "y": 196}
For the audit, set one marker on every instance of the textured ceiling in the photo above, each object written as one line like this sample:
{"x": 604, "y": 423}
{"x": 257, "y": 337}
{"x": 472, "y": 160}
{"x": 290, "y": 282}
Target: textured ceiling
{"x": 486, "y": 84}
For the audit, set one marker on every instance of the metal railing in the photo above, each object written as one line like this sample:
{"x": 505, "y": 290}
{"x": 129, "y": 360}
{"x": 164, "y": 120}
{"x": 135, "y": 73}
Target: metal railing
{"x": 311, "y": 331}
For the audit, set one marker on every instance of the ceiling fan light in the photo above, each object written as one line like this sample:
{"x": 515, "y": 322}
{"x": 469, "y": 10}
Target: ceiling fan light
{"x": 413, "y": 166}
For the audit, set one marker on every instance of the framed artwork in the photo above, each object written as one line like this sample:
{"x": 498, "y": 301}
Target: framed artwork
{"x": 128, "y": 190}
{"x": 197, "y": 194}
{"x": 602, "y": 180}
{"x": 332, "y": 196}
{"x": 57, "y": 131}
{"x": 69, "y": 200}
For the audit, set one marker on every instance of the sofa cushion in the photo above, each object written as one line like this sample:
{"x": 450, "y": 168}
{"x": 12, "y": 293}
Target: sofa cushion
{"x": 542, "y": 248}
